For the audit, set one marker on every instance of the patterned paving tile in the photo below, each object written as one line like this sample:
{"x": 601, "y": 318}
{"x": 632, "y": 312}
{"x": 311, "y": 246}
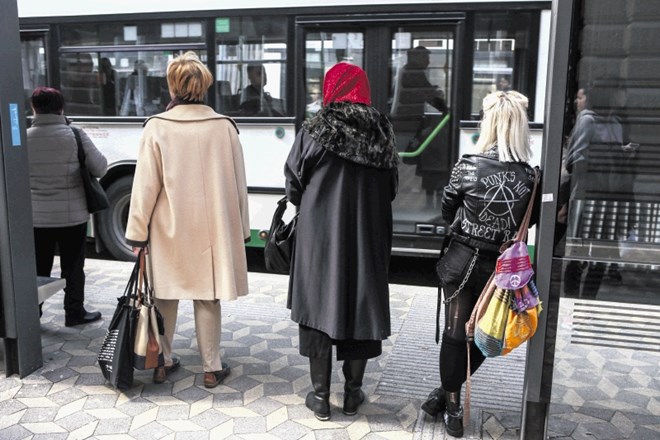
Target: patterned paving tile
{"x": 264, "y": 396}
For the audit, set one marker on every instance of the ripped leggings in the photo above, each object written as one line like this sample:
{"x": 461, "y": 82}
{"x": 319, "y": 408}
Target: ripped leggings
{"x": 453, "y": 349}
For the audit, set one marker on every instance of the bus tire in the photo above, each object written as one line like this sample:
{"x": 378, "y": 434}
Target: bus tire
{"x": 112, "y": 221}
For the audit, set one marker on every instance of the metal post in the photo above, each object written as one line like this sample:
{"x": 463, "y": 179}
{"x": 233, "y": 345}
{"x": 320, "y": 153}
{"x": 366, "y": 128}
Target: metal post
{"x": 541, "y": 349}
{"x": 20, "y": 326}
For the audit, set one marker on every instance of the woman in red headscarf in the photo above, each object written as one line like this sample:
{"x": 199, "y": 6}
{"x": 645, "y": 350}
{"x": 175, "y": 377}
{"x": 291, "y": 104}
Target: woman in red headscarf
{"x": 342, "y": 174}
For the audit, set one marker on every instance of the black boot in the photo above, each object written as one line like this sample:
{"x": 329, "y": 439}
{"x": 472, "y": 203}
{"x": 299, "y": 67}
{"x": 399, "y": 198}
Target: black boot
{"x": 454, "y": 414}
{"x": 353, "y": 395}
{"x": 435, "y": 403}
{"x": 319, "y": 399}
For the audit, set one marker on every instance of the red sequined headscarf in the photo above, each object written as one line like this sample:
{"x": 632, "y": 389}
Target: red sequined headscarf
{"x": 346, "y": 82}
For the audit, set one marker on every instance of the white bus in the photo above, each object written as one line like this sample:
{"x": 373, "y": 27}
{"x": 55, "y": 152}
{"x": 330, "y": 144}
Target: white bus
{"x": 109, "y": 60}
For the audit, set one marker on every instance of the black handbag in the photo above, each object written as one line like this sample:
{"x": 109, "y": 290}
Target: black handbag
{"x": 281, "y": 240}
{"x": 116, "y": 354}
{"x": 97, "y": 199}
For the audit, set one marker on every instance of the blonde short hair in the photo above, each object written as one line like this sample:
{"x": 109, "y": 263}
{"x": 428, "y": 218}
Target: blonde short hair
{"x": 188, "y": 78}
{"x": 505, "y": 124}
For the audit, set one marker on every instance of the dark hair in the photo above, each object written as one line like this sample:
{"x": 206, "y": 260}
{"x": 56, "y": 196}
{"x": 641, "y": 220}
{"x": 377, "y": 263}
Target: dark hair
{"x": 47, "y": 100}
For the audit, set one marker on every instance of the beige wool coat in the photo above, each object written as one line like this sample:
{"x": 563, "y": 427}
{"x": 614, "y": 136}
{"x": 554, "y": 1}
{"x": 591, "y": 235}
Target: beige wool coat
{"x": 189, "y": 203}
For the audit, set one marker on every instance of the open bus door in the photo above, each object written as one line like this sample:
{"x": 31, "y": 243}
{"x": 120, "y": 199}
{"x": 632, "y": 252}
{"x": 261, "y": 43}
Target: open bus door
{"x": 411, "y": 64}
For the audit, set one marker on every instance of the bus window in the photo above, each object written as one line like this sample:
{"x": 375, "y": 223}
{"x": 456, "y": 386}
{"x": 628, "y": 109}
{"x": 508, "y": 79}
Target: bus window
{"x": 132, "y": 33}
{"x": 33, "y": 56}
{"x": 501, "y": 48}
{"x": 324, "y": 50}
{"x": 251, "y": 66}
{"x": 78, "y": 83}
{"x": 122, "y": 83}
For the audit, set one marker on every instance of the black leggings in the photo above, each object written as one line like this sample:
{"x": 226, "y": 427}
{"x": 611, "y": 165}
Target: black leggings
{"x": 453, "y": 350}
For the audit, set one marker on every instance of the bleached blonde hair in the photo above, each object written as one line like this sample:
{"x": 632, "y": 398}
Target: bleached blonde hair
{"x": 505, "y": 124}
{"x": 188, "y": 78}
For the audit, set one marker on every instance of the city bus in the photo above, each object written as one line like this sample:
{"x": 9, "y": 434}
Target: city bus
{"x": 109, "y": 59}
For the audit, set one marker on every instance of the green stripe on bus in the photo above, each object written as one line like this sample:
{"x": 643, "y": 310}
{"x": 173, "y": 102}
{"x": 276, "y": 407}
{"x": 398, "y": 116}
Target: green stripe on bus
{"x": 255, "y": 241}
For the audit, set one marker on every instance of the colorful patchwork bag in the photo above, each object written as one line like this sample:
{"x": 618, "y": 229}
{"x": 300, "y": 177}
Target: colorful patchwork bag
{"x": 506, "y": 313}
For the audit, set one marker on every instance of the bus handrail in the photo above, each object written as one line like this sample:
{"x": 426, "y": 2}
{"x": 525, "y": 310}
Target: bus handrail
{"x": 428, "y": 139}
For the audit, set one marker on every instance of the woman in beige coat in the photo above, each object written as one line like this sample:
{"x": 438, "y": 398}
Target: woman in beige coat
{"x": 189, "y": 204}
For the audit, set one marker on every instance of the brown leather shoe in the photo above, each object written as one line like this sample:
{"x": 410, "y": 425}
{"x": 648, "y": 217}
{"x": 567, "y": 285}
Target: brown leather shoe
{"x": 161, "y": 373}
{"x": 214, "y": 378}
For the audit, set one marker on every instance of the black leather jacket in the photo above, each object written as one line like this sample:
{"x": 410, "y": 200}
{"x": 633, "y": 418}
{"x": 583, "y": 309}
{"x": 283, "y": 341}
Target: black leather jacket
{"x": 486, "y": 199}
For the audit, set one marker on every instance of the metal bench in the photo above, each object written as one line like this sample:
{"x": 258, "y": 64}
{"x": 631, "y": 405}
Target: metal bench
{"x": 48, "y": 286}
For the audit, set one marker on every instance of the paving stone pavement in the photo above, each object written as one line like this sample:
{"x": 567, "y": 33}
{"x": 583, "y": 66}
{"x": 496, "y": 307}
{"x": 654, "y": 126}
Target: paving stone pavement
{"x": 263, "y": 398}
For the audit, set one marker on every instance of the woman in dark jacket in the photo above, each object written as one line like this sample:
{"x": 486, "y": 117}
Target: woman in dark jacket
{"x": 342, "y": 173}
{"x": 484, "y": 203}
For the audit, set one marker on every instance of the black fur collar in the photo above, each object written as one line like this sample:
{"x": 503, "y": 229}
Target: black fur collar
{"x": 355, "y": 132}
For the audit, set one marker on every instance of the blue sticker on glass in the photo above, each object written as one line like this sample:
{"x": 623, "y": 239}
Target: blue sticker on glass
{"x": 15, "y": 126}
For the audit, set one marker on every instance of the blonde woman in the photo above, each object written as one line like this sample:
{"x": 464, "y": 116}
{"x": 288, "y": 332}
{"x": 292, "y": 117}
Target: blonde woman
{"x": 483, "y": 203}
{"x": 189, "y": 204}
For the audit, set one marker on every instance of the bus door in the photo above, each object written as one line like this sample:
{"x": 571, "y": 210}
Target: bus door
{"x": 411, "y": 69}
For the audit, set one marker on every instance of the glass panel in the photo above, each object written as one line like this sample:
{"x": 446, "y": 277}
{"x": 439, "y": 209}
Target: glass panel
{"x": 131, "y": 33}
{"x": 421, "y": 72}
{"x": 322, "y": 51}
{"x": 608, "y": 197}
{"x": 115, "y": 83}
{"x": 251, "y": 66}
{"x": 500, "y": 44}
{"x": 605, "y": 371}
{"x": 33, "y": 57}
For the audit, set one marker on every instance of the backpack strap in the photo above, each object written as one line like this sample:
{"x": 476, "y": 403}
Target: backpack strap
{"x": 521, "y": 234}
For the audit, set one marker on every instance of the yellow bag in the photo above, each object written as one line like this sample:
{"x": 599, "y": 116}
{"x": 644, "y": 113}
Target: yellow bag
{"x": 520, "y": 327}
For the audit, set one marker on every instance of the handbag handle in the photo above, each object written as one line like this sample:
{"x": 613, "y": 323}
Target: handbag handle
{"x": 146, "y": 296}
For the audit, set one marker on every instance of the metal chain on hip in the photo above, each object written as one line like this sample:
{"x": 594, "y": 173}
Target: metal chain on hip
{"x": 465, "y": 280}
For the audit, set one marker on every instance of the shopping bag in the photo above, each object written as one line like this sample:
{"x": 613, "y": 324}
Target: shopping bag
{"x": 491, "y": 327}
{"x": 116, "y": 354}
{"x": 147, "y": 349}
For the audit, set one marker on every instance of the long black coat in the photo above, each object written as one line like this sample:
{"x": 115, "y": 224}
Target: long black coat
{"x": 342, "y": 173}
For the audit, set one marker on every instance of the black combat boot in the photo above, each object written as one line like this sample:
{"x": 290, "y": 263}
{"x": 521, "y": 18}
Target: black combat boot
{"x": 435, "y": 403}
{"x": 454, "y": 414}
{"x": 353, "y": 395}
{"x": 319, "y": 399}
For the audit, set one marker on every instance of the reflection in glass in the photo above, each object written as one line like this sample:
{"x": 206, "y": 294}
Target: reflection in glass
{"x": 420, "y": 93}
{"x": 115, "y": 83}
{"x": 596, "y": 203}
{"x": 33, "y": 62}
{"x": 132, "y": 33}
{"x": 500, "y": 53}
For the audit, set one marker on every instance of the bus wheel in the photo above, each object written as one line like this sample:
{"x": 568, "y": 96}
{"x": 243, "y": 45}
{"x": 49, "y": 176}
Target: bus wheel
{"x": 112, "y": 221}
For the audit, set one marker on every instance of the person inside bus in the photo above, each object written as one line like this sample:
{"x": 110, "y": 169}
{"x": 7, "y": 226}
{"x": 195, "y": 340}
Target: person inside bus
{"x": 589, "y": 196}
{"x": 342, "y": 174}
{"x": 413, "y": 91}
{"x": 255, "y": 101}
{"x": 59, "y": 209}
{"x": 109, "y": 87}
{"x": 189, "y": 205}
{"x": 483, "y": 210}
{"x": 503, "y": 84}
